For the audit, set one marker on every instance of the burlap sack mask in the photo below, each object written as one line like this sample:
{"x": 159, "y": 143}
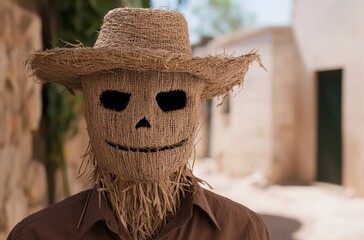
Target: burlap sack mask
{"x": 142, "y": 89}
{"x": 141, "y": 124}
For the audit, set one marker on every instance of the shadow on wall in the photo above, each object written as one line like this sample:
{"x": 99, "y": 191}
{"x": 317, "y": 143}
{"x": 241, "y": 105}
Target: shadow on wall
{"x": 281, "y": 228}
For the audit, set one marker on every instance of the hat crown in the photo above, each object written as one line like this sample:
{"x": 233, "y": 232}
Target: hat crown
{"x": 155, "y": 29}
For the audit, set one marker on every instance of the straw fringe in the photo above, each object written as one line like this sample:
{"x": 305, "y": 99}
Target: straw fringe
{"x": 65, "y": 66}
{"x": 143, "y": 208}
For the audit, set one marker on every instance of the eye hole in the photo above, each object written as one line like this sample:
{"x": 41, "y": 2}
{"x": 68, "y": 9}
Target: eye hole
{"x": 114, "y": 100}
{"x": 173, "y": 100}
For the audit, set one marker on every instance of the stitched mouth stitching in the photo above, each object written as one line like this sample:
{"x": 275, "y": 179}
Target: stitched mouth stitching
{"x": 146, "y": 149}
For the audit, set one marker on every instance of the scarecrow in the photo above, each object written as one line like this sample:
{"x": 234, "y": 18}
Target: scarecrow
{"x": 142, "y": 91}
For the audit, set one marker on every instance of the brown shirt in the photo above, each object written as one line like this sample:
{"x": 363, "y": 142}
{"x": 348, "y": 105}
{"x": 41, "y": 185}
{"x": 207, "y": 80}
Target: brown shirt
{"x": 203, "y": 215}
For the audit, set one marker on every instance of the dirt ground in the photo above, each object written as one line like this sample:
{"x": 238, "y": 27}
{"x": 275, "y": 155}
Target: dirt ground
{"x": 318, "y": 212}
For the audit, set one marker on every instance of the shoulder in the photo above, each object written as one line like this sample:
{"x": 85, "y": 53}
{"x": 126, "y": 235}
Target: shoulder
{"x": 232, "y": 216}
{"x": 220, "y": 203}
{"x": 61, "y": 216}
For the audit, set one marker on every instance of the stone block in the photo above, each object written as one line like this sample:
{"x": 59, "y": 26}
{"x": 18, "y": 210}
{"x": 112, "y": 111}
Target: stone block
{"x": 5, "y": 165}
{"x": 16, "y": 207}
{"x": 35, "y": 182}
{"x": 3, "y": 124}
{"x": 26, "y": 146}
{"x": 3, "y": 64}
{"x": 16, "y": 129}
{"x": 7, "y": 125}
{"x": 13, "y": 81}
{"x": 8, "y": 33}
{"x": 3, "y": 235}
{"x": 2, "y": 219}
{"x": 15, "y": 168}
{"x": 32, "y": 34}
{"x": 33, "y": 109}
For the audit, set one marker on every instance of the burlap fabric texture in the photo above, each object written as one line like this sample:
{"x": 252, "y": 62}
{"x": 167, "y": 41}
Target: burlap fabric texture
{"x": 142, "y": 125}
{"x": 140, "y": 40}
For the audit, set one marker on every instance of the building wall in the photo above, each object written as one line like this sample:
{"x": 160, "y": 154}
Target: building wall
{"x": 241, "y": 139}
{"x": 330, "y": 35}
{"x": 22, "y": 178}
{"x": 284, "y": 103}
{"x": 259, "y": 133}
{"x": 248, "y": 133}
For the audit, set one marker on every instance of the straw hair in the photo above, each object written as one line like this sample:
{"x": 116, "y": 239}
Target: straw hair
{"x": 140, "y": 40}
{"x": 142, "y": 208}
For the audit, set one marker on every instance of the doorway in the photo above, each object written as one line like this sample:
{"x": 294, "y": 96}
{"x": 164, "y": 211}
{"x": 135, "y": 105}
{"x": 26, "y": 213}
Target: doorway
{"x": 329, "y": 118}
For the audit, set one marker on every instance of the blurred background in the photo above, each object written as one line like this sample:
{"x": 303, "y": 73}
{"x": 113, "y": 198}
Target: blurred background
{"x": 288, "y": 144}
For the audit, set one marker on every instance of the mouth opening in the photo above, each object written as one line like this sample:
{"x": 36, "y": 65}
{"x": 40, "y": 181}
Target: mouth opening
{"x": 146, "y": 149}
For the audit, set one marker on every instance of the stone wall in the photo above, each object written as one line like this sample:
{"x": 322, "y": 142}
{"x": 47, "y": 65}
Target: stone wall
{"x": 22, "y": 178}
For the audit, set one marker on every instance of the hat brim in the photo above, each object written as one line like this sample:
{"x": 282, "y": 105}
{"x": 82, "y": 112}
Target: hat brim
{"x": 66, "y": 65}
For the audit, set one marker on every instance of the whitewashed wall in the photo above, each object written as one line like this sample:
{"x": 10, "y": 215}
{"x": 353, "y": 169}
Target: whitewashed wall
{"x": 330, "y": 35}
{"x": 259, "y": 132}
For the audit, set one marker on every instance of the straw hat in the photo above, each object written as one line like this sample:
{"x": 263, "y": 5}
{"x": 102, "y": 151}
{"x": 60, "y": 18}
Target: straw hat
{"x": 140, "y": 40}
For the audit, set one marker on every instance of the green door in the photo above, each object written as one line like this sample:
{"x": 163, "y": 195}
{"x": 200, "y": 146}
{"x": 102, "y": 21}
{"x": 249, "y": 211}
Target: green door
{"x": 329, "y": 149}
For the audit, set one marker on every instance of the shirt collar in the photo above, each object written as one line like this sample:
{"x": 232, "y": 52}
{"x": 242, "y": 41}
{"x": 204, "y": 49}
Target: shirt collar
{"x": 97, "y": 209}
{"x": 199, "y": 199}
